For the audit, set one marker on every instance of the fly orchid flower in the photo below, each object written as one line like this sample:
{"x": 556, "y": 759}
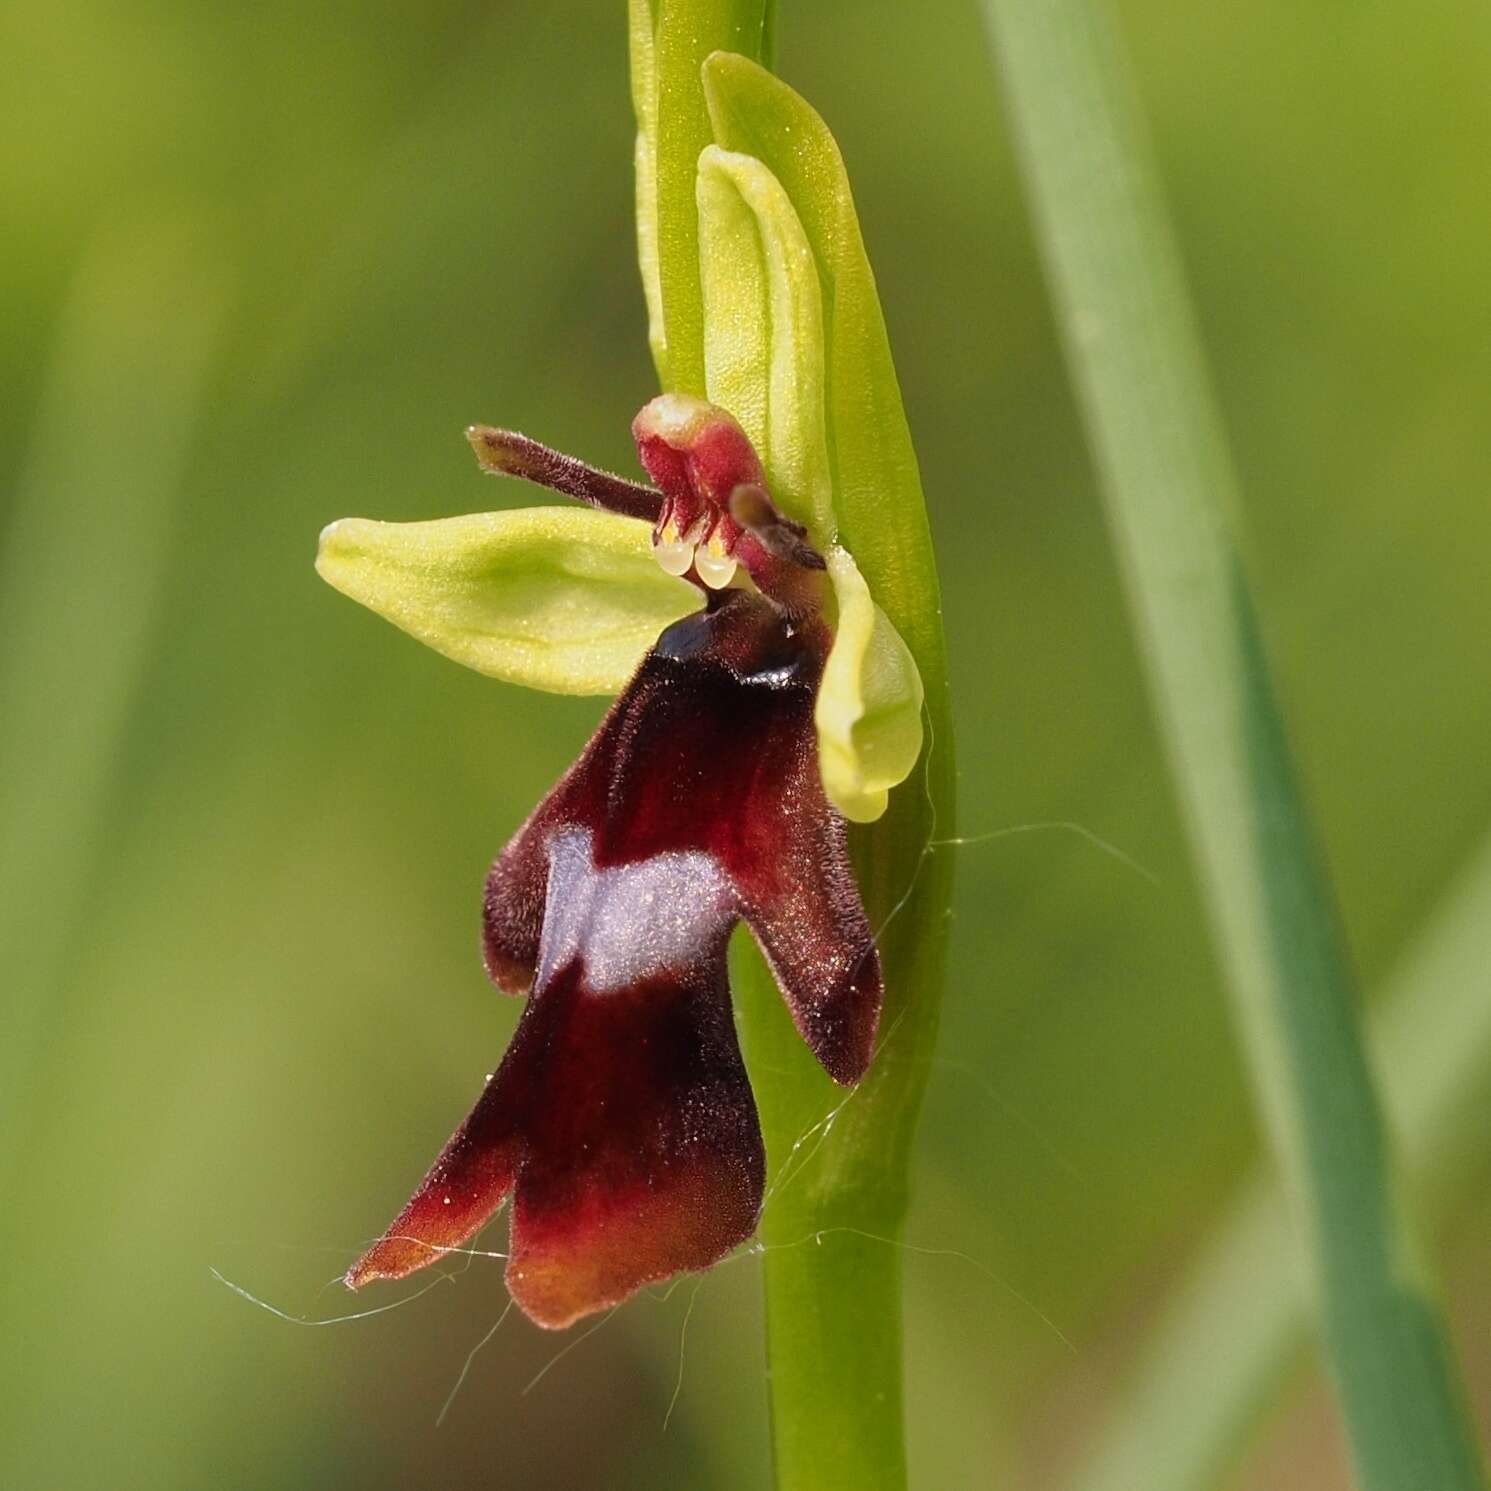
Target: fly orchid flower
{"x": 715, "y": 790}
{"x": 621, "y": 1118}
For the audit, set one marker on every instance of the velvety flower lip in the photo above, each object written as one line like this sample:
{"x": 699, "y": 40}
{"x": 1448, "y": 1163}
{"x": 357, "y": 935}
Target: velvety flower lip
{"x": 621, "y": 1119}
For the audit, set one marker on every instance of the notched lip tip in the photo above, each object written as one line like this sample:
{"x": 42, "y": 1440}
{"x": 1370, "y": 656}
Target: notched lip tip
{"x": 543, "y": 1313}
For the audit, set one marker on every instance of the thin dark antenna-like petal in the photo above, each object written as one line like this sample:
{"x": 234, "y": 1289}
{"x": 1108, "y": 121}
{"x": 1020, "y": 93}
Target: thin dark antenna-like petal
{"x": 507, "y": 453}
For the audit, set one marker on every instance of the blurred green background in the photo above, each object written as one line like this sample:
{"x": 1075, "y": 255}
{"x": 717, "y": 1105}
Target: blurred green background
{"x": 260, "y": 266}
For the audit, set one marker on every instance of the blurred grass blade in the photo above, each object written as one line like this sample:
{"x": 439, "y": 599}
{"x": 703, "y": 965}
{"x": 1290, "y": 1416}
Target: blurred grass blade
{"x": 1165, "y": 474}
{"x": 1239, "y": 1319}
{"x": 80, "y": 577}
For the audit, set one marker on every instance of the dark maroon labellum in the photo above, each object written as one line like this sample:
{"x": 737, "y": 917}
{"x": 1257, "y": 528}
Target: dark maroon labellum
{"x": 621, "y": 1118}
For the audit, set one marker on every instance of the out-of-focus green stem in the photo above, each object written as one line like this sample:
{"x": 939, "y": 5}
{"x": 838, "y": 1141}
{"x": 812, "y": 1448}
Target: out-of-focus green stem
{"x": 1239, "y": 1319}
{"x": 1166, "y": 477}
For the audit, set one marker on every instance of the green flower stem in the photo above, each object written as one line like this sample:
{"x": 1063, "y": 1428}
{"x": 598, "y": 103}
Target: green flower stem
{"x": 1166, "y": 477}
{"x": 833, "y": 1307}
{"x": 1239, "y": 1320}
{"x": 838, "y": 1158}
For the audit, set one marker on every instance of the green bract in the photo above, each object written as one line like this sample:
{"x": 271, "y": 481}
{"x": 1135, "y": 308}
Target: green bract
{"x": 556, "y": 598}
{"x": 669, "y": 40}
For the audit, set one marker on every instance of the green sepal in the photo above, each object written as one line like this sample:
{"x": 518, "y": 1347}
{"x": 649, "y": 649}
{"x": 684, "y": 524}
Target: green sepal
{"x": 562, "y": 599}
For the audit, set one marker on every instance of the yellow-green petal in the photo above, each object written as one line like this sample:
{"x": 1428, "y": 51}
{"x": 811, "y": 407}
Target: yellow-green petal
{"x": 763, "y": 330}
{"x": 562, "y": 599}
{"x": 869, "y": 709}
